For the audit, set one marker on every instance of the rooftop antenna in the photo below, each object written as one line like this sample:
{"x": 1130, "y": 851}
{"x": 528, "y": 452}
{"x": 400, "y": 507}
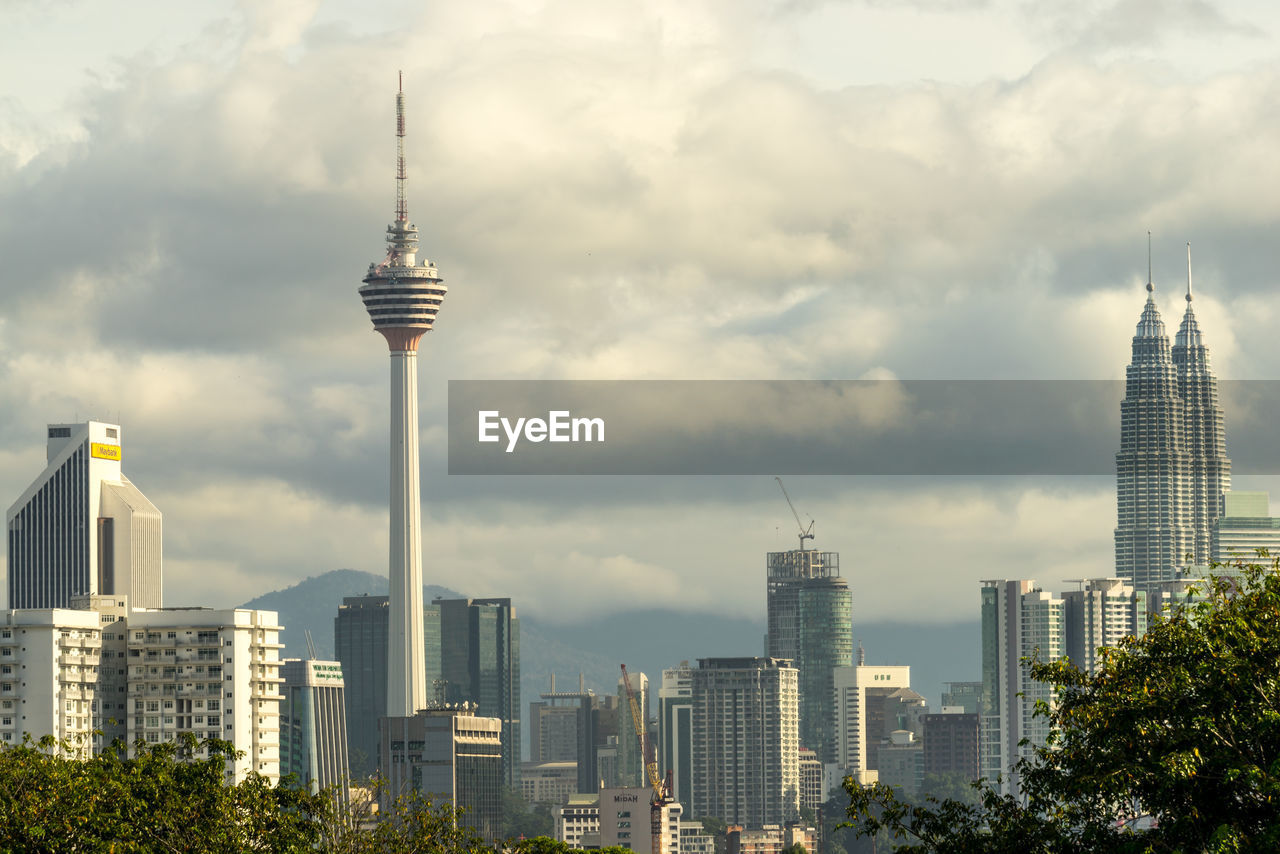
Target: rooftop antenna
{"x": 402, "y": 198}
{"x": 1188, "y": 271}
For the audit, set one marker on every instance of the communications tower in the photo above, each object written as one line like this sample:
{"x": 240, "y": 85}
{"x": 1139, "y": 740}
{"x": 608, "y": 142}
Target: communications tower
{"x": 402, "y": 296}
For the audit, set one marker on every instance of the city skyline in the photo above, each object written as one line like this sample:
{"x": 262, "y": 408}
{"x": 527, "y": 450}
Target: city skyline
{"x": 608, "y": 218}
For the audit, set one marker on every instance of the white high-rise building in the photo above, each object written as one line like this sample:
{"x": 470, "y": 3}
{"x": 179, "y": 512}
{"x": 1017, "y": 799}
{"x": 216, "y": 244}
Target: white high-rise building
{"x": 859, "y": 726}
{"x": 82, "y": 527}
{"x": 1019, "y": 620}
{"x": 746, "y": 740}
{"x": 402, "y": 297}
{"x": 214, "y": 674}
{"x": 49, "y": 664}
{"x": 149, "y": 675}
{"x": 1101, "y": 613}
{"x": 675, "y": 729}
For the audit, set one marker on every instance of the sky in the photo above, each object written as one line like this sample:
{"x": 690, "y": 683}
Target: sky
{"x": 745, "y": 189}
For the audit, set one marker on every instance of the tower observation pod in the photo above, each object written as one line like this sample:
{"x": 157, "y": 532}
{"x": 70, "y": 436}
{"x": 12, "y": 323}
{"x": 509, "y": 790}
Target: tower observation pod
{"x": 402, "y": 297}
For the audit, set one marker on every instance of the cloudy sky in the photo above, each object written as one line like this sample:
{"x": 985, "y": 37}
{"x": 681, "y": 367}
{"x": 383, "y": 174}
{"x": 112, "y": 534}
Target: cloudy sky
{"x": 744, "y": 189}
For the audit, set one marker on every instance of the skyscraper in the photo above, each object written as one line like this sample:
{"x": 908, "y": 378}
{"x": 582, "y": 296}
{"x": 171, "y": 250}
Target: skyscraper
{"x": 746, "y": 750}
{"x": 1172, "y": 466}
{"x": 402, "y": 297}
{"x": 360, "y": 643}
{"x": 313, "y": 725}
{"x": 480, "y": 664}
{"x": 810, "y": 622}
{"x": 1019, "y": 620}
{"x": 675, "y": 729}
{"x": 82, "y": 527}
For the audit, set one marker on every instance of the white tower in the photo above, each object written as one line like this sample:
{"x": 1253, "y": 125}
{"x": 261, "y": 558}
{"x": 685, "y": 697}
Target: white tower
{"x": 402, "y": 297}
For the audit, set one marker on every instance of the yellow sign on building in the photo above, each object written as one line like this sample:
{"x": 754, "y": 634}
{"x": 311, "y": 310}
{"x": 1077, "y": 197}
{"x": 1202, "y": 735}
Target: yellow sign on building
{"x": 104, "y": 452}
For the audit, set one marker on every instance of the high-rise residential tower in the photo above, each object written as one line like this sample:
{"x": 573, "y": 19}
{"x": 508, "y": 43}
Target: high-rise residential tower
{"x": 810, "y": 622}
{"x": 1172, "y": 467}
{"x": 402, "y": 296}
{"x": 82, "y": 528}
{"x": 746, "y": 751}
{"x": 675, "y": 729}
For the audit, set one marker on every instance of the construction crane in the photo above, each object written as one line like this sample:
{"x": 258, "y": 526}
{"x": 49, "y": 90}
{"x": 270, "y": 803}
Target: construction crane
{"x": 805, "y": 533}
{"x": 661, "y": 792}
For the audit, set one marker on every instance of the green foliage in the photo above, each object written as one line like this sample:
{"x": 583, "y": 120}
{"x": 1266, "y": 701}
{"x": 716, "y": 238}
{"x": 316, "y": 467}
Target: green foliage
{"x": 520, "y": 822}
{"x": 1174, "y": 745}
{"x": 174, "y": 797}
{"x": 795, "y": 848}
{"x": 540, "y": 845}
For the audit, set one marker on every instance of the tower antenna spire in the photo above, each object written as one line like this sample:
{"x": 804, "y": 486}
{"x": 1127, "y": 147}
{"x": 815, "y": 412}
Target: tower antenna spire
{"x": 402, "y": 196}
{"x": 1188, "y": 271}
{"x": 1150, "y": 286}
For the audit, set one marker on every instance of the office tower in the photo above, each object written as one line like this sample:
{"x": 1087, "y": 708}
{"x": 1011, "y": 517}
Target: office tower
{"x": 598, "y": 742}
{"x": 900, "y": 761}
{"x": 1019, "y": 620}
{"x": 811, "y": 794}
{"x": 1101, "y": 613}
{"x": 402, "y": 297}
{"x": 360, "y": 644}
{"x": 951, "y": 743}
{"x": 1172, "y": 465}
{"x": 313, "y": 725}
{"x": 82, "y": 527}
{"x": 746, "y": 751}
{"x": 49, "y": 659}
{"x": 556, "y": 723}
{"x": 548, "y": 783}
{"x": 480, "y": 663}
{"x": 675, "y": 730}
{"x": 966, "y": 695}
{"x": 211, "y": 673}
{"x": 450, "y": 754}
{"x": 630, "y": 760}
{"x": 1245, "y": 526}
{"x": 871, "y": 702}
{"x": 810, "y": 622}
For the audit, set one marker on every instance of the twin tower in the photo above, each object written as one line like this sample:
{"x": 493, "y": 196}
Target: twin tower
{"x": 1172, "y": 468}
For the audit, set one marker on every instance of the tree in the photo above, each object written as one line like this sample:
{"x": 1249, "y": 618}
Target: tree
{"x": 1174, "y": 745}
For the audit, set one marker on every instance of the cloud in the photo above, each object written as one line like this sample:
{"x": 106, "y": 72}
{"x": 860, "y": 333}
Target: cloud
{"x": 612, "y": 192}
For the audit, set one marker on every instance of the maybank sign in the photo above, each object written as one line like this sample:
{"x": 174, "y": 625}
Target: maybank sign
{"x": 104, "y": 452}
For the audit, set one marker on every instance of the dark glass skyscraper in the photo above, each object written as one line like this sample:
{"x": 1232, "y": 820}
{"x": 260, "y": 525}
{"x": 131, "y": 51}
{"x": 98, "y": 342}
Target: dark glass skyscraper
{"x": 810, "y": 612}
{"x": 1172, "y": 467}
{"x": 480, "y": 663}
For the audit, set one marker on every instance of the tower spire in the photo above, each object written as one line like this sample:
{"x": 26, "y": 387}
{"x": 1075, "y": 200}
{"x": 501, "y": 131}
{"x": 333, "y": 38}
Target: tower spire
{"x": 1188, "y": 271}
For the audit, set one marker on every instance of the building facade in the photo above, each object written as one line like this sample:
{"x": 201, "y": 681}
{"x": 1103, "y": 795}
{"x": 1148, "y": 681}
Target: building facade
{"x": 861, "y": 692}
{"x": 313, "y": 725}
{"x": 746, "y": 751}
{"x": 631, "y": 759}
{"x": 951, "y": 743}
{"x": 82, "y": 527}
{"x": 1245, "y": 530}
{"x": 1101, "y": 613}
{"x": 480, "y": 664}
{"x": 452, "y": 754}
{"x": 675, "y": 730}
{"x": 810, "y": 622}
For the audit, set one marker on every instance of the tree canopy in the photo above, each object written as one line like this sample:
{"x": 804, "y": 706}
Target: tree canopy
{"x": 1173, "y": 745}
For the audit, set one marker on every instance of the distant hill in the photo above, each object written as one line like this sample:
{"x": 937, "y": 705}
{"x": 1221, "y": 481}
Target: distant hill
{"x": 646, "y": 640}
{"x": 313, "y": 603}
